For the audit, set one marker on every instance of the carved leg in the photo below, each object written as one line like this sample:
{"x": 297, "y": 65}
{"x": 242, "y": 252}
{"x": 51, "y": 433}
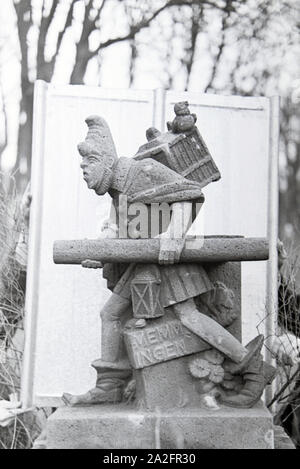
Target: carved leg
{"x": 111, "y": 316}
{"x": 252, "y": 371}
{"x": 246, "y": 362}
{"x": 209, "y": 330}
{"x": 112, "y": 369}
{"x": 109, "y": 386}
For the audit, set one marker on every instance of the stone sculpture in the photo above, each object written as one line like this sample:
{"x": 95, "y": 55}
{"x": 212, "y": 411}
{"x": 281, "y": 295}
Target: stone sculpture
{"x": 184, "y": 120}
{"x": 166, "y": 319}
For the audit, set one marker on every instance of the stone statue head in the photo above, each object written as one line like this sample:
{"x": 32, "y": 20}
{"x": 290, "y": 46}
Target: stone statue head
{"x": 98, "y": 155}
{"x": 182, "y": 108}
{"x": 152, "y": 133}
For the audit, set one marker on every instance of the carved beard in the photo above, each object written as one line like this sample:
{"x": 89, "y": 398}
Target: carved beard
{"x": 104, "y": 185}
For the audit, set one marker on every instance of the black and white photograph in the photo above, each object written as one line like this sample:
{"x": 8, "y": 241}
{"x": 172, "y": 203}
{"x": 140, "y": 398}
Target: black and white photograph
{"x": 149, "y": 227}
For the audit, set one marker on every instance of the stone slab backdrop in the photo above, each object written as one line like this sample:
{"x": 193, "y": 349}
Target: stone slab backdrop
{"x": 63, "y": 302}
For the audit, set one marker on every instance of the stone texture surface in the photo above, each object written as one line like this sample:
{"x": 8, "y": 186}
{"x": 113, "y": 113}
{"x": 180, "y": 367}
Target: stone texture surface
{"x": 167, "y": 412}
{"x": 147, "y": 250}
{"x": 120, "y": 426}
{"x": 213, "y": 333}
{"x": 230, "y": 274}
{"x": 161, "y": 340}
{"x": 185, "y": 153}
{"x": 166, "y": 338}
{"x": 170, "y": 384}
{"x": 281, "y": 439}
{"x": 167, "y": 385}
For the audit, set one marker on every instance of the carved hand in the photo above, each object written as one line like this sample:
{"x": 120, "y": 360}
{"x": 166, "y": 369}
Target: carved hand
{"x": 90, "y": 264}
{"x": 109, "y": 230}
{"x": 170, "y": 249}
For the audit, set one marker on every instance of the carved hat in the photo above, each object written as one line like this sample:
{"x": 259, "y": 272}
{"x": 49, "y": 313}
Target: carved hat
{"x": 99, "y": 141}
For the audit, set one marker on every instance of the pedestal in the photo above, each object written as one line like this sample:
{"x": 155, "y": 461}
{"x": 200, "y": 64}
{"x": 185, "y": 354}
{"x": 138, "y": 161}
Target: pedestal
{"x": 121, "y": 426}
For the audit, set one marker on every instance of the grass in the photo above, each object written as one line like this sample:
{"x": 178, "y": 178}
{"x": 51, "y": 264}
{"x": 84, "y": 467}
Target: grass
{"x": 21, "y": 432}
{"x": 287, "y": 396}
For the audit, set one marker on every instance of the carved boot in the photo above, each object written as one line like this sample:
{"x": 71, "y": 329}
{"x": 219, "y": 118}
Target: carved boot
{"x": 111, "y": 380}
{"x": 252, "y": 371}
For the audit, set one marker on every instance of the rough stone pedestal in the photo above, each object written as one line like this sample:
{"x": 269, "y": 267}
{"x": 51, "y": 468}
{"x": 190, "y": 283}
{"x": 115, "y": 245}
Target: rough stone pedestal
{"x": 121, "y": 426}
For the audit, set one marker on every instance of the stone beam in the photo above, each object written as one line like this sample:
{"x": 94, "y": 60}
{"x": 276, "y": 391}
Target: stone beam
{"x": 213, "y": 249}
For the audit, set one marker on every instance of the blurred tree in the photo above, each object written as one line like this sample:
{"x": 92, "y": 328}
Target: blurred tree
{"x": 3, "y": 141}
{"x": 290, "y": 177}
{"x": 253, "y": 48}
{"x": 43, "y": 22}
{"x": 44, "y": 26}
{"x": 50, "y": 21}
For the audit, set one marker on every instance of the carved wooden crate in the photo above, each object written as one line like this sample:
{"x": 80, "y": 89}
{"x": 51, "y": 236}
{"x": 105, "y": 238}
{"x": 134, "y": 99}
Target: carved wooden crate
{"x": 187, "y": 154}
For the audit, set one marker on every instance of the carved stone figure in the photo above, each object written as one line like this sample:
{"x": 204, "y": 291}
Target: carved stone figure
{"x": 171, "y": 300}
{"x": 184, "y": 120}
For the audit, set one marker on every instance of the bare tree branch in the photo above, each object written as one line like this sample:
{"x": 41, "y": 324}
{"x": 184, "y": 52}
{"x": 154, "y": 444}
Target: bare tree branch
{"x": 23, "y": 9}
{"x": 24, "y": 22}
{"x": 226, "y": 15}
{"x": 140, "y": 16}
{"x": 43, "y": 31}
{"x": 68, "y": 23}
{"x": 197, "y": 16}
{"x": 3, "y": 110}
{"x": 83, "y": 54}
{"x": 100, "y": 10}
{"x": 143, "y": 24}
{"x": 88, "y": 24}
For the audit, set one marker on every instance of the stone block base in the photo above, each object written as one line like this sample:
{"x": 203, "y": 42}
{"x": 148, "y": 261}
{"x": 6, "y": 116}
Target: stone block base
{"x": 121, "y": 426}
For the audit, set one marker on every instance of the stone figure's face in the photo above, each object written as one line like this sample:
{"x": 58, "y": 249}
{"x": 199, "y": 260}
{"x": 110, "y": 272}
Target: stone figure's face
{"x": 182, "y": 108}
{"x": 94, "y": 173}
